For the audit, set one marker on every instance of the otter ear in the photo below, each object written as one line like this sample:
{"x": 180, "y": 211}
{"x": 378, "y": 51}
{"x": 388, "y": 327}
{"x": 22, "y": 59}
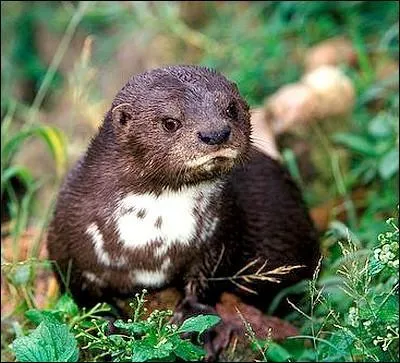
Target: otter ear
{"x": 122, "y": 114}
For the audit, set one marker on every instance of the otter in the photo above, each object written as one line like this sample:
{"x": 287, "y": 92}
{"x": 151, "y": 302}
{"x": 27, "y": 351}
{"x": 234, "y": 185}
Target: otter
{"x": 172, "y": 192}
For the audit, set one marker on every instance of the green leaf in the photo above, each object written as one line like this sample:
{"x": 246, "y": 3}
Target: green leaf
{"x": 188, "y": 351}
{"x": 20, "y": 172}
{"x": 298, "y": 350}
{"x": 53, "y": 138}
{"x": 67, "y": 305}
{"x": 387, "y": 308}
{"x": 144, "y": 350}
{"x": 6, "y": 122}
{"x": 117, "y": 340}
{"x": 37, "y": 316}
{"x": 198, "y": 323}
{"x": 375, "y": 267}
{"x": 341, "y": 343}
{"x": 290, "y": 161}
{"x": 389, "y": 164}
{"x": 49, "y": 342}
{"x": 356, "y": 143}
{"x": 55, "y": 141}
{"x": 141, "y": 351}
{"x": 380, "y": 126}
{"x": 277, "y": 353}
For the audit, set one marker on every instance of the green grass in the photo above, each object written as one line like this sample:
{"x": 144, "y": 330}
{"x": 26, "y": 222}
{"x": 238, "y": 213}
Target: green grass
{"x": 350, "y": 309}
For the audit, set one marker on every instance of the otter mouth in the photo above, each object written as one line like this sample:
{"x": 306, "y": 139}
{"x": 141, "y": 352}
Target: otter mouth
{"x": 225, "y": 157}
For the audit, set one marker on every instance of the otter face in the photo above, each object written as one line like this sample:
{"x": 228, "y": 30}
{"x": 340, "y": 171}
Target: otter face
{"x": 183, "y": 124}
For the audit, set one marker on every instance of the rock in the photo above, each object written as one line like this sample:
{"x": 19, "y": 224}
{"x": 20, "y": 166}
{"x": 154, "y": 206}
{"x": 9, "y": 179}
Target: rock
{"x": 332, "y": 52}
{"x": 233, "y": 311}
{"x": 335, "y": 91}
{"x": 293, "y": 104}
{"x": 262, "y": 135}
{"x": 323, "y": 93}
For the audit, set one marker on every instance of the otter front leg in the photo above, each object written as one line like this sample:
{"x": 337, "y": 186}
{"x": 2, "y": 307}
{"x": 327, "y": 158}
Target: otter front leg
{"x": 215, "y": 339}
{"x": 200, "y": 291}
{"x": 194, "y": 302}
{"x": 200, "y": 297}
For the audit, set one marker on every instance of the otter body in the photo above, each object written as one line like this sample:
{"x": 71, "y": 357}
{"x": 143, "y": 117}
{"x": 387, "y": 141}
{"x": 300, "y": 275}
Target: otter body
{"x": 171, "y": 193}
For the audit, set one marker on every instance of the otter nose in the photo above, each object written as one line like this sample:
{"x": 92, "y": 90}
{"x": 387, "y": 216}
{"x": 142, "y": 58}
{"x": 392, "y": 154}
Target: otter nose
{"x": 215, "y": 137}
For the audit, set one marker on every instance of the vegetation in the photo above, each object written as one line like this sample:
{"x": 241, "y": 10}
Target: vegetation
{"x": 350, "y": 310}
{"x": 60, "y": 329}
{"x": 355, "y": 318}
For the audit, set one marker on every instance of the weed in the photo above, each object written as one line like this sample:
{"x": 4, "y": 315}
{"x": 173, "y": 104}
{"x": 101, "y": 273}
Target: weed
{"x": 259, "y": 275}
{"x": 59, "y": 331}
{"x": 361, "y": 323}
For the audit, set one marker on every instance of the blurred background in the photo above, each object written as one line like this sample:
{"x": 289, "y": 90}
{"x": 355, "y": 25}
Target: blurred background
{"x": 321, "y": 78}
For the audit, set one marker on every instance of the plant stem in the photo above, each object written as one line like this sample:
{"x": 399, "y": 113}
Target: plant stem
{"x": 55, "y": 63}
{"x": 341, "y": 187}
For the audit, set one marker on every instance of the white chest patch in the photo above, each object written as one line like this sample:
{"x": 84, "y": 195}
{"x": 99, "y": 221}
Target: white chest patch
{"x": 149, "y": 278}
{"x": 155, "y": 278}
{"x": 98, "y": 245}
{"x": 169, "y": 218}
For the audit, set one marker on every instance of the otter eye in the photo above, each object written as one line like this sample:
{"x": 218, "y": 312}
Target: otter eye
{"x": 231, "y": 111}
{"x": 170, "y": 124}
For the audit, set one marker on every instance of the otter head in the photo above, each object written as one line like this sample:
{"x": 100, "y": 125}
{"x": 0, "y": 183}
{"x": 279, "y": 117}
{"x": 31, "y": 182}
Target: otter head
{"x": 180, "y": 125}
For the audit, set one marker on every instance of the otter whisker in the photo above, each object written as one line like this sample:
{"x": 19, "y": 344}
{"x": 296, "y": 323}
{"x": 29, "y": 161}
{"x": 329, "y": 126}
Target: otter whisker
{"x": 262, "y": 141}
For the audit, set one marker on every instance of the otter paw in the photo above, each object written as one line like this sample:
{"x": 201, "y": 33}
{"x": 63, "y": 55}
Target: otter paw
{"x": 216, "y": 339}
{"x": 188, "y": 307}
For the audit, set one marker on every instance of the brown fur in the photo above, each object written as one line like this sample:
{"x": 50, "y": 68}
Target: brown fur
{"x": 260, "y": 210}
